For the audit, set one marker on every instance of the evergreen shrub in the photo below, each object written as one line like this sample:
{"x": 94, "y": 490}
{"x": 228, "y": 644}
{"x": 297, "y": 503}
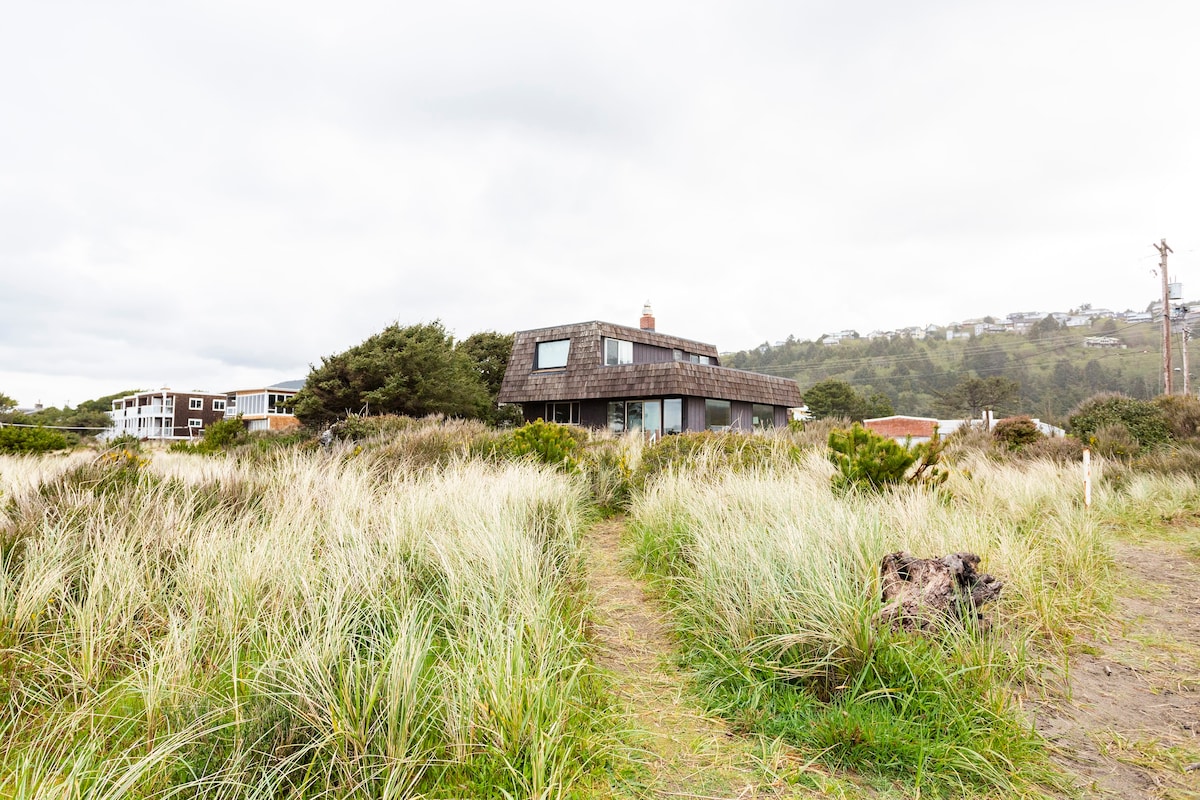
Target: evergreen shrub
{"x": 868, "y": 461}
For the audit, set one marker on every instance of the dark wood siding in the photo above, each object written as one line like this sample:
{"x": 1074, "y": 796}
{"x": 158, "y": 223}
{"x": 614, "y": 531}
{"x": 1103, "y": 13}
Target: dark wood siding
{"x": 184, "y": 412}
{"x": 649, "y": 354}
{"x": 693, "y": 414}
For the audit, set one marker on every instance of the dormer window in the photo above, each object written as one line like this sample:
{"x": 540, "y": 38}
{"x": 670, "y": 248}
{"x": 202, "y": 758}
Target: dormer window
{"x": 552, "y": 355}
{"x": 617, "y": 351}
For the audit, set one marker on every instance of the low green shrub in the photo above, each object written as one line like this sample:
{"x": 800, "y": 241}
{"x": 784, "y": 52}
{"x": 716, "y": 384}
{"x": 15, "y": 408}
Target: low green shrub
{"x": 1016, "y": 433}
{"x": 868, "y": 461}
{"x": 30, "y": 440}
{"x": 1114, "y": 440}
{"x": 547, "y": 442}
{"x": 1143, "y": 421}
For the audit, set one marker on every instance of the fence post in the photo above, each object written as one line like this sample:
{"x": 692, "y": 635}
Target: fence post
{"x": 1087, "y": 477}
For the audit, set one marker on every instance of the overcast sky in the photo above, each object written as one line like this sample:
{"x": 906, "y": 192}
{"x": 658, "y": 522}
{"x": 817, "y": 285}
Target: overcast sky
{"x": 216, "y": 195}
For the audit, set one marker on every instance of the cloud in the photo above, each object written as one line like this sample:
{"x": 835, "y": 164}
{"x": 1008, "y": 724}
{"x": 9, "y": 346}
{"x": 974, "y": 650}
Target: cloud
{"x": 228, "y": 192}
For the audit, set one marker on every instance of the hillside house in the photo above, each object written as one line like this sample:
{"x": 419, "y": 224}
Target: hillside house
{"x": 165, "y": 414}
{"x": 603, "y": 375}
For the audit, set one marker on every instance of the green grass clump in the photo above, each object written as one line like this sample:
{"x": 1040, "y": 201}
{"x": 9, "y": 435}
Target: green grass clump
{"x": 773, "y": 580}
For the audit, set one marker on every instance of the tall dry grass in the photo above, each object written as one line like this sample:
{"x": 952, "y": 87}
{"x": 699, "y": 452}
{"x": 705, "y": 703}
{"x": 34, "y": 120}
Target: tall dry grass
{"x": 774, "y": 583}
{"x": 300, "y": 623}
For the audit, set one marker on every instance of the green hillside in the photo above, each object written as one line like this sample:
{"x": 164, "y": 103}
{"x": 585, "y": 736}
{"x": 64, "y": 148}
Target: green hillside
{"x": 1052, "y": 368}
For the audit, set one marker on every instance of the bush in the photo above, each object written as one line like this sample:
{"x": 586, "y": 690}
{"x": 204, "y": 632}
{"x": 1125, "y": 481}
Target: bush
{"x": 866, "y": 460}
{"x": 547, "y": 442}
{"x": 1060, "y": 449}
{"x": 1143, "y": 421}
{"x": 1114, "y": 441}
{"x": 1016, "y": 432}
{"x": 224, "y": 434}
{"x": 30, "y": 440}
{"x": 1182, "y": 414}
{"x": 357, "y": 427}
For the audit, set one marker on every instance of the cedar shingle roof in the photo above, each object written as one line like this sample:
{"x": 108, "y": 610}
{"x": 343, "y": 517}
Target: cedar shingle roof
{"x": 586, "y": 377}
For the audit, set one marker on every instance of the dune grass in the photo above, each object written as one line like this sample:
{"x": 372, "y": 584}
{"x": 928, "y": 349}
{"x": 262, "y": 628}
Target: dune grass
{"x": 296, "y": 624}
{"x": 406, "y": 616}
{"x": 773, "y": 581}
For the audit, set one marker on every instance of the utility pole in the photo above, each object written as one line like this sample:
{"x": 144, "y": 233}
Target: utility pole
{"x": 1166, "y": 315}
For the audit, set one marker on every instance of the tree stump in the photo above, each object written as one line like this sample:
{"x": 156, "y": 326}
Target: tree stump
{"x": 923, "y": 593}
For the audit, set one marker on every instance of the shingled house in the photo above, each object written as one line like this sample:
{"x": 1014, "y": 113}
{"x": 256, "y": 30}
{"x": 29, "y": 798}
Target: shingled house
{"x": 603, "y": 375}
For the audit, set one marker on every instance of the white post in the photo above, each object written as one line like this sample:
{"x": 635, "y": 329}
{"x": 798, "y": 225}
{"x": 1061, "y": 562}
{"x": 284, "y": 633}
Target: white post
{"x": 1087, "y": 477}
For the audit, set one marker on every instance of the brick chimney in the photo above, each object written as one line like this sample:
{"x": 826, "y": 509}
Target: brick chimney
{"x": 647, "y": 317}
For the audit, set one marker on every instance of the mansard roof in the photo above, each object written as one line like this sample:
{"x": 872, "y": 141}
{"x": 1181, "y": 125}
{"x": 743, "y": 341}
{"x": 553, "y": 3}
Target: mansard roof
{"x": 586, "y": 377}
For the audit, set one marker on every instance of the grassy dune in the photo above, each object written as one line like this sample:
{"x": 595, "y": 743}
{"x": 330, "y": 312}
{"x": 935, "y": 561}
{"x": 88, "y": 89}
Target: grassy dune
{"x": 410, "y": 617}
{"x": 774, "y": 583}
{"x": 305, "y": 625}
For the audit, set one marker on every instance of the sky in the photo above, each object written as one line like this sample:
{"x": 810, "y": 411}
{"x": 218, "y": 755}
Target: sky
{"x": 217, "y": 195}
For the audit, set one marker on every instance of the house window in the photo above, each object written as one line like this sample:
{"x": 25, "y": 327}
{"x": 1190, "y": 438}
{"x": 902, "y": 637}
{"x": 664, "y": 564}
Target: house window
{"x": 195, "y": 403}
{"x": 218, "y": 405}
{"x": 564, "y": 413}
{"x": 616, "y": 416}
{"x": 718, "y": 414}
{"x": 276, "y": 404}
{"x": 552, "y": 355}
{"x": 195, "y": 423}
{"x": 673, "y": 415}
{"x": 705, "y": 360}
{"x": 677, "y": 355}
{"x": 762, "y": 416}
{"x": 643, "y": 415}
{"x": 617, "y": 351}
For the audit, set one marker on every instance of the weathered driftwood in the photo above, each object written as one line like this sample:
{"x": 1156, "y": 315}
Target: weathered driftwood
{"x": 920, "y": 593}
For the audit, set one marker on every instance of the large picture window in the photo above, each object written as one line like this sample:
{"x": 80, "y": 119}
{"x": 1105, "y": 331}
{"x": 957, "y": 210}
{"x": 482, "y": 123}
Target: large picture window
{"x": 762, "y": 416}
{"x": 552, "y": 355}
{"x": 640, "y": 415}
{"x": 617, "y": 351}
{"x": 673, "y": 415}
{"x": 718, "y": 414}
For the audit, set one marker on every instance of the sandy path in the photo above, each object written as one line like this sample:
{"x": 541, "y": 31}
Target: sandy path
{"x": 687, "y": 754}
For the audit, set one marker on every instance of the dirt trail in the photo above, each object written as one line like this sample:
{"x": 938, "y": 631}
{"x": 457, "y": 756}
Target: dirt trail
{"x": 1132, "y": 726}
{"x": 687, "y": 754}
